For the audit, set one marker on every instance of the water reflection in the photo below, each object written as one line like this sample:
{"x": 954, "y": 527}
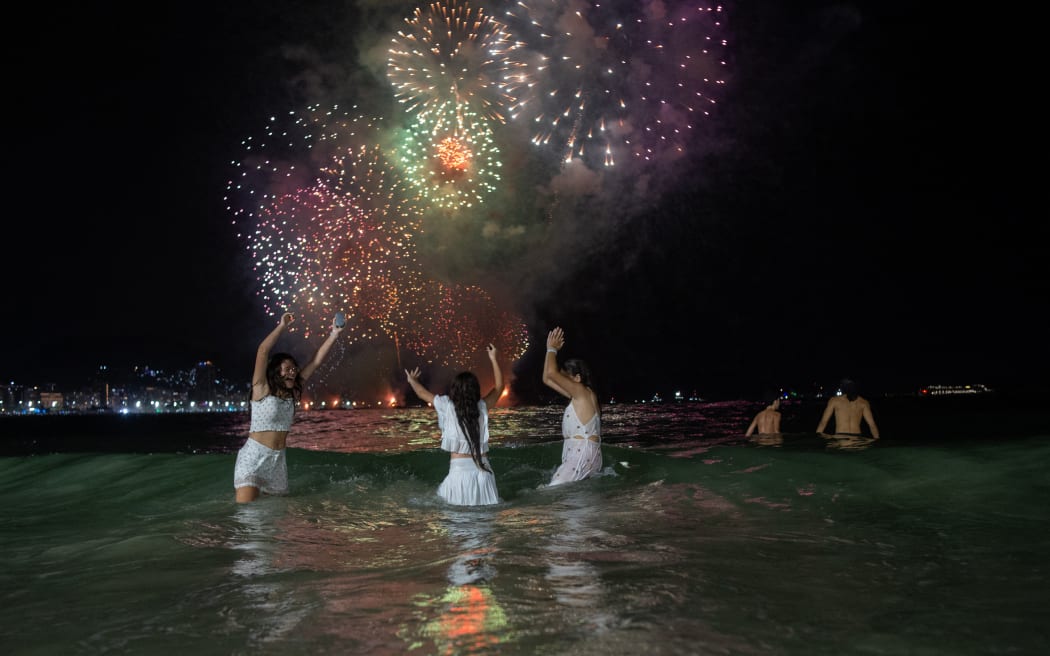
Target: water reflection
{"x": 470, "y": 531}
{"x": 469, "y": 617}
{"x": 316, "y": 570}
{"x": 269, "y": 611}
{"x": 767, "y": 439}
{"x": 252, "y": 528}
{"x": 572, "y": 540}
{"x": 848, "y": 442}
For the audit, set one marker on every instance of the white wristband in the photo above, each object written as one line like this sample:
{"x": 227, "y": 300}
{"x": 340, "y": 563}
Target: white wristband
{"x": 552, "y": 350}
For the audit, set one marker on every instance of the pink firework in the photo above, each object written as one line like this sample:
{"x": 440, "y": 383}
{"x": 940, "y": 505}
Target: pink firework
{"x": 327, "y": 221}
{"x": 317, "y": 252}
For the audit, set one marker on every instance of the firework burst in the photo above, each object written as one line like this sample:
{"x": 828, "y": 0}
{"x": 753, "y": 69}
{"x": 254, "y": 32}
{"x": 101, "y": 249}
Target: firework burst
{"x": 288, "y": 154}
{"x": 317, "y": 252}
{"x": 450, "y": 53}
{"x": 328, "y": 223}
{"x": 451, "y": 324}
{"x": 449, "y": 156}
{"x": 619, "y": 79}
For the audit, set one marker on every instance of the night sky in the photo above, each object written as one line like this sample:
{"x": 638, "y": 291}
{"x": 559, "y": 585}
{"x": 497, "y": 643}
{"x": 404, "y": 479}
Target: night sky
{"x": 850, "y": 209}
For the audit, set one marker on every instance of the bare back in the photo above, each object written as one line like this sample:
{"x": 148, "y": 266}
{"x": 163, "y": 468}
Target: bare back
{"x": 847, "y": 415}
{"x": 585, "y": 405}
{"x": 768, "y": 421}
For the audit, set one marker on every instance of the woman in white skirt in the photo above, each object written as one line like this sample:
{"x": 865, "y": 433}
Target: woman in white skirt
{"x": 463, "y": 416}
{"x": 277, "y": 385}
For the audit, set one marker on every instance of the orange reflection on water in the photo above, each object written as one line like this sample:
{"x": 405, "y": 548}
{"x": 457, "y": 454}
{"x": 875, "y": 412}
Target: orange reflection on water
{"x": 471, "y": 620}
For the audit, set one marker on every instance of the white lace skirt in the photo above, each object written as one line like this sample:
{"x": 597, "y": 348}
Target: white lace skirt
{"x": 468, "y": 485}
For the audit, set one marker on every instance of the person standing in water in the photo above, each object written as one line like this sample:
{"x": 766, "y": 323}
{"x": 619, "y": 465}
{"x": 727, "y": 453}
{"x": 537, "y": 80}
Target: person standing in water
{"x": 766, "y": 421}
{"x": 848, "y": 410}
{"x": 277, "y": 386}
{"x": 463, "y": 415}
{"x": 581, "y": 425}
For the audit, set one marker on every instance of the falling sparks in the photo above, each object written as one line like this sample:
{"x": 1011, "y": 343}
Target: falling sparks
{"x": 619, "y": 79}
{"x": 451, "y": 324}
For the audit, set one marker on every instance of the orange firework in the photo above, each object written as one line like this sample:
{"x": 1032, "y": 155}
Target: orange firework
{"x": 454, "y": 154}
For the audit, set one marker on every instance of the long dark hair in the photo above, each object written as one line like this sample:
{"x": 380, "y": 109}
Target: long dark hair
{"x": 576, "y": 366}
{"x": 273, "y": 377}
{"x": 465, "y": 392}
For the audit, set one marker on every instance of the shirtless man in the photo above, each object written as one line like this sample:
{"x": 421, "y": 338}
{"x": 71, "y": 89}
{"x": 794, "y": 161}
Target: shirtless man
{"x": 767, "y": 421}
{"x": 848, "y": 410}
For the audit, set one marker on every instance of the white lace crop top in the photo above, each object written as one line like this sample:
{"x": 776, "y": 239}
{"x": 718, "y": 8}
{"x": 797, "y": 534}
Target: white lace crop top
{"x": 452, "y": 438}
{"x": 272, "y": 414}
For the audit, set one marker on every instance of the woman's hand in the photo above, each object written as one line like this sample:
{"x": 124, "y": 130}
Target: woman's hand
{"x": 491, "y": 350}
{"x": 413, "y": 376}
{"x": 556, "y": 339}
{"x": 286, "y": 319}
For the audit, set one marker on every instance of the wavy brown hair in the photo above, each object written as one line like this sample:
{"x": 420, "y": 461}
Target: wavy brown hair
{"x": 273, "y": 377}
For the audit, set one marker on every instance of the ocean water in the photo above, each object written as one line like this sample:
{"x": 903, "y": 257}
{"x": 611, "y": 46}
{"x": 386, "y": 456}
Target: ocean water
{"x": 120, "y": 535}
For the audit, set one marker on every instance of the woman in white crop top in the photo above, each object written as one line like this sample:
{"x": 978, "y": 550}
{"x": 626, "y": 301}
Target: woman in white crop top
{"x": 464, "y": 420}
{"x": 277, "y": 385}
{"x": 581, "y": 426}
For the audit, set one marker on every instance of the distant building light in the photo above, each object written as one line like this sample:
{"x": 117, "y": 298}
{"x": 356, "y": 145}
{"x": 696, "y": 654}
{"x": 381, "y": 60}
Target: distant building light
{"x": 954, "y": 390}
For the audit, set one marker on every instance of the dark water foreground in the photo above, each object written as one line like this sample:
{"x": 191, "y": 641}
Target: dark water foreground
{"x": 694, "y": 541}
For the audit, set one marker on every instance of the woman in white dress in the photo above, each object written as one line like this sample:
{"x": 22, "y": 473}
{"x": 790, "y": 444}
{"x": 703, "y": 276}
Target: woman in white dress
{"x": 581, "y": 425}
{"x": 464, "y": 420}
